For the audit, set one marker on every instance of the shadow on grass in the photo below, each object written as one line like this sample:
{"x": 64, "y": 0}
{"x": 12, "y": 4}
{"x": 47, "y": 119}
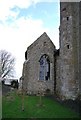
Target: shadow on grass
{"x": 12, "y": 107}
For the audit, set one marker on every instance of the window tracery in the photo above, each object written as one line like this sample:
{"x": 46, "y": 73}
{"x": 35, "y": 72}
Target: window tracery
{"x": 44, "y": 73}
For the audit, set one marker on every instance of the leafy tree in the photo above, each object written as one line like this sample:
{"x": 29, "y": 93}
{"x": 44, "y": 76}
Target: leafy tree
{"x": 14, "y": 84}
{"x": 7, "y": 62}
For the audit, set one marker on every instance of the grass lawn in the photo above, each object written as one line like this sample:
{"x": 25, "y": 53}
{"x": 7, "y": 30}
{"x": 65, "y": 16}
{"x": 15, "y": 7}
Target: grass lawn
{"x": 0, "y": 101}
{"x": 12, "y": 108}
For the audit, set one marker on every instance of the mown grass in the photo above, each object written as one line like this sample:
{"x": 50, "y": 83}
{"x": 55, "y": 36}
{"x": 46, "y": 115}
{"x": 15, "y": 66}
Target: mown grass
{"x": 0, "y": 100}
{"x": 12, "y": 108}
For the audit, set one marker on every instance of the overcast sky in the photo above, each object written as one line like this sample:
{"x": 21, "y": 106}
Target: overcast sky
{"x": 23, "y": 21}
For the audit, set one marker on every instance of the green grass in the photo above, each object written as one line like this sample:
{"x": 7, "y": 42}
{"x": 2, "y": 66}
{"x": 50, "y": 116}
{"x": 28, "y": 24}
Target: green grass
{"x": 12, "y": 108}
{"x": 0, "y": 100}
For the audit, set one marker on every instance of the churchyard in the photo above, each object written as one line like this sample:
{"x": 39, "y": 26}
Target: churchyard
{"x": 15, "y": 105}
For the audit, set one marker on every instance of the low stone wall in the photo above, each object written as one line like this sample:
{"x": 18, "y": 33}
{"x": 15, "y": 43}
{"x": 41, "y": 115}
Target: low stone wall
{"x": 5, "y": 89}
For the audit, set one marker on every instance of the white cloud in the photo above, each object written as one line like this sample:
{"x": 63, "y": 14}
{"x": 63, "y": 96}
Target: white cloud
{"x": 18, "y": 35}
{"x": 6, "y": 5}
{"x": 37, "y": 1}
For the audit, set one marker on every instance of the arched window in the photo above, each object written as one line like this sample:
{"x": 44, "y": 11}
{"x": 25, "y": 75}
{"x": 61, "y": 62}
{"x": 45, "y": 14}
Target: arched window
{"x": 44, "y": 73}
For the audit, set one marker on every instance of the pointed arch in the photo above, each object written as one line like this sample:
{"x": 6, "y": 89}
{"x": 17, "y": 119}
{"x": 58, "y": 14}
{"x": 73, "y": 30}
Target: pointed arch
{"x": 44, "y": 73}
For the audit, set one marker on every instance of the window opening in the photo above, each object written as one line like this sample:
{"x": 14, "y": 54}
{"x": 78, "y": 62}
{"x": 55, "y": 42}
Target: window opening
{"x": 67, "y": 18}
{"x": 68, "y": 46}
{"x": 44, "y": 73}
{"x": 44, "y": 43}
{"x": 63, "y": 9}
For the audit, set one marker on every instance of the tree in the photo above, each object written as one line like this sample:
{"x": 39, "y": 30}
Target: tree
{"x": 14, "y": 84}
{"x": 7, "y": 62}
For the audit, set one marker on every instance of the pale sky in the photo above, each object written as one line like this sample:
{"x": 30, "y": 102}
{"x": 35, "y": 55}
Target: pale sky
{"x": 23, "y": 21}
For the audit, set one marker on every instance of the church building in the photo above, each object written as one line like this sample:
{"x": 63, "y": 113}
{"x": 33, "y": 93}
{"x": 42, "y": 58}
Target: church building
{"x": 58, "y": 72}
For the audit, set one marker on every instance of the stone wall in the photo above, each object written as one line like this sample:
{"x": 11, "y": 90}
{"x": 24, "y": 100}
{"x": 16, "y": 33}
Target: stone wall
{"x": 69, "y": 50}
{"x": 80, "y": 48}
{"x": 43, "y": 45}
{"x": 65, "y": 63}
{"x": 58, "y": 82}
{"x": 5, "y": 89}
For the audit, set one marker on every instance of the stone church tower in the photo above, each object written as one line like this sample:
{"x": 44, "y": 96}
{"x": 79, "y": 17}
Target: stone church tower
{"x": 70, "y": 58}
{"x": 58, "y": 71}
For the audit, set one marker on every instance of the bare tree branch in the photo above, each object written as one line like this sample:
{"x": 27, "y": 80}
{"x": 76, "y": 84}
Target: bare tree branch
{"x": 7, "y": 62}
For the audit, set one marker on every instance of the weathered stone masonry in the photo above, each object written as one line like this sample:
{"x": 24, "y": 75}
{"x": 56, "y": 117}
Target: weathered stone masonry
{"x": 59, "y": 71}
{"x": 42, "y": 46}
